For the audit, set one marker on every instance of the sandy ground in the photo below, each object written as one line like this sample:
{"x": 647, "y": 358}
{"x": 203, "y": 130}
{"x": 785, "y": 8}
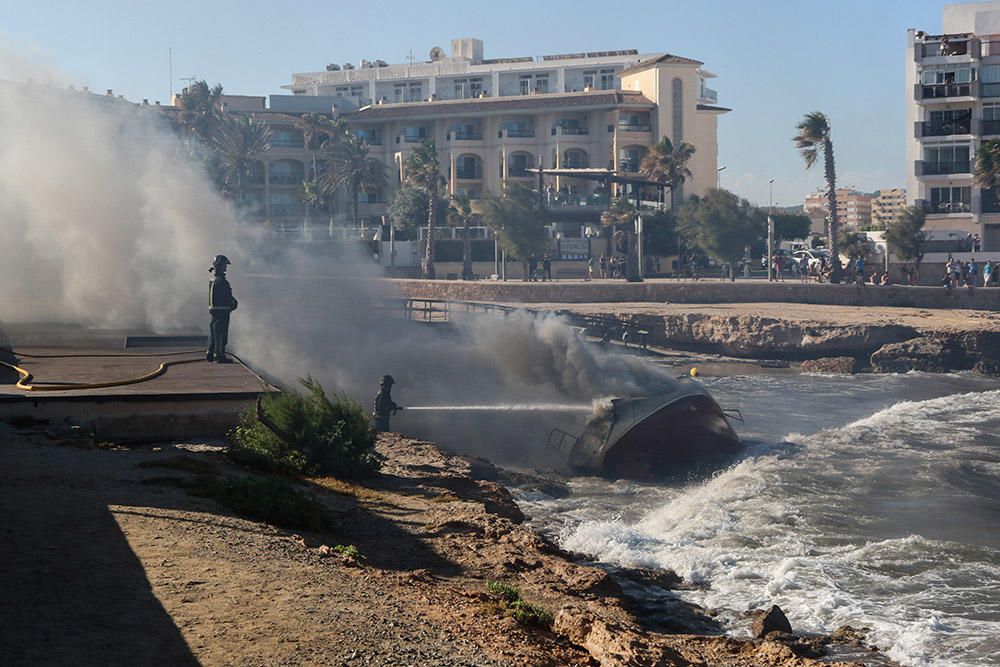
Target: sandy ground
{"x": 920, "y": 318}
{"x": 109, "y": 562}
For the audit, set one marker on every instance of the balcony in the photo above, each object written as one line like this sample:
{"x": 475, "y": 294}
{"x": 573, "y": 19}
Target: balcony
{"x": 287, "y": 179}
{"x": 465, "y": 135}
{"x": 570, "y": 131}
{"x": 943, "y": 168}
{"x": 523, "y": 133}
{"x": 370, "y": 139}
{"x": 629, "y": 166}
{"x": 466, "y": 174}
{"x": 412, "y": 138}
{"x": 709, "y": 95}
{"x": 945, "y": 47}
{"x": 929, "y": 128}
{"x": 624, "y": 127}
{"x": 940, "y": 91}
{"x": 946, "y": 207}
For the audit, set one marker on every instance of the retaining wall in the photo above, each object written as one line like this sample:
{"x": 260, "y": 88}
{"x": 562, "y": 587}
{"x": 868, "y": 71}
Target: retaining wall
{"x": 707, "y": 291}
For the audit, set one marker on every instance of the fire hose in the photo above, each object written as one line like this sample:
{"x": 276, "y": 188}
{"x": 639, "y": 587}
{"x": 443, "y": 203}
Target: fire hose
{"x": 25, "y": 377}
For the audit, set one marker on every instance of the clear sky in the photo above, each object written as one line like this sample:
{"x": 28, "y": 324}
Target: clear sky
{"x": 776, "y": 59}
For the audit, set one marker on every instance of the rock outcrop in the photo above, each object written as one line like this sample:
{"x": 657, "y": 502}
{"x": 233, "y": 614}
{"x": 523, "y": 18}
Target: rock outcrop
{"x": 772, "y": 620}
{"x": 844, "y": 365}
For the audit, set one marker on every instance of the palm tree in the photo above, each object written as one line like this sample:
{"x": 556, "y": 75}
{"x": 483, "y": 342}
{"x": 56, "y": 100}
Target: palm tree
{"x": 666, "y": 163}
{"x": 622, "y": 212}
{"x": 986, "y": 171}
{"x": 238, "y": 143}
{"x": 201, "y": 110}
{"x": 312, "y": 196}
{"x": 460, "y": 213}
{"x": 423, "y": 170}
{"x": 317, "y": 129}
{"x": 814, "y": 138}
{"x": 350, "y": 166}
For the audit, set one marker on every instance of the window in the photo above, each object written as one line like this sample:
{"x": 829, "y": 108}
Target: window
{"x": 525, "y": 84}
{"x": 475, "y": 87}
{"x": 357, "y": 91}
{"x": 590, "y": 79}
{"x": 541, "y": 83}
{"x": 607, "y": 79}
{"x": 951, "y": 200}
{"x": 948, "y": 74}
{"x": 399, "y": 92}
{"x": 461, "y": 88}
{"x": 518, "y": 163}
{"x": 991, "y": 112}
{"x": 414, "y": 133}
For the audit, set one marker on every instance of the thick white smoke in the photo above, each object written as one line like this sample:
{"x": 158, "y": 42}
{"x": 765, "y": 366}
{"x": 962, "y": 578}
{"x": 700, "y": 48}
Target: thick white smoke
{"x": 100, "y": 222}
{"x": 104, "y": 224}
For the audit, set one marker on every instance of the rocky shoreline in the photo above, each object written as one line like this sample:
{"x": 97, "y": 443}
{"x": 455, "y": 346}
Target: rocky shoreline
{"x": 825, "y": 340}
{"x": 434, "y": 529}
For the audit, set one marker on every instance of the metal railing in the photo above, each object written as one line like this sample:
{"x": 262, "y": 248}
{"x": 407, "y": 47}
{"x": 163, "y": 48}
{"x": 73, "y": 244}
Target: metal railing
{"x": 949, "y": 167}
{"x": 939, "y": 90}
{"x": 465, "y": 135}
{"x": 626, "y": 127}
{"x": 947, "y": 207}
{"x": 945, "y": 128}
{"x": 520, "y": 134}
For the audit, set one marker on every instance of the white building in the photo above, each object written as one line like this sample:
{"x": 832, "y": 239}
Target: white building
{"x": 492, "y": 119}
{"x": 953, "y": 105}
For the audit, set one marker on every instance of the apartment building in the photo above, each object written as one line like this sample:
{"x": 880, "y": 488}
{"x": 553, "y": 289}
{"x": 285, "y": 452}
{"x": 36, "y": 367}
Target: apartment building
{"x": 887, "y": 204}
{"x": 953, "y": 105}
{"x": 854, "y": 208}
{"x": 493, "y": 119}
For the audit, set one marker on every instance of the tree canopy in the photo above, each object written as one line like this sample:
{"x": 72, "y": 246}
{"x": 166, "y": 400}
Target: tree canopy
{"x": 814, "y": 141}
{"x": 721, "y": 224}
{"x": 788, "y": 226}
{"x": 518, "y": 218}
{"x": 906, "y": 235}
{"x": 667, "y": 163}
{"x": 986, "y": 171}
{"x": 408, "y": 209}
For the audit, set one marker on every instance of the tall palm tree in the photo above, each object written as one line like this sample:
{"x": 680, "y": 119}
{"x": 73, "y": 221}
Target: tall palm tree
{"x": 666, "y": 163}
{"x": 350, "y": 166}
{"x": 423, "y": 170}
{"x": 317, "y": 129}
{"x": 239, "y": 142}
{"x": 621, "y": 212}
{"x": 460, "y": 213}
{"x": 201, "y": 110}
{"x": 814, "y": 138}
{"x": 312, "y": 196}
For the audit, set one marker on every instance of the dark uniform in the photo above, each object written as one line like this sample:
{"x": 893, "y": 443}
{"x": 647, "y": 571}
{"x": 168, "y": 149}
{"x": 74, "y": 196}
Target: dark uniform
{"x": 384, "y": 407}
{"x": 220, "y": 304}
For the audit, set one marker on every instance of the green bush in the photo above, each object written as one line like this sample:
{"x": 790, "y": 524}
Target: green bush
{"x": 319, "y": 435}
{"x": 512, "y": 604}
{"x": 350, "y": 552}
{"x": 272, "y": 500}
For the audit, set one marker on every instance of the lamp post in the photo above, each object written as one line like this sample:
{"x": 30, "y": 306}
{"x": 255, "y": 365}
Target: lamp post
{"x": 770, "y": 228}
{"x": 718, "y": 177}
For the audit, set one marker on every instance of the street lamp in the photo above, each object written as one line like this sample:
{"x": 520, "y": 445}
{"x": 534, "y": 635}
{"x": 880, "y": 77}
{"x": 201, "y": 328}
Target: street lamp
{"x": 718, "y": 177}
{"x": 770, "y": 228}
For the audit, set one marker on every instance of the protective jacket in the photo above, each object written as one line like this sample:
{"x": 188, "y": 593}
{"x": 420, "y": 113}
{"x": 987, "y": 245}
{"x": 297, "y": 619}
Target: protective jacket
{"x": 220, "y": 296}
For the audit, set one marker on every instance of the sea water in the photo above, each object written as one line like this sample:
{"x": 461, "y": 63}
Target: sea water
{"x": 869, "y": 500}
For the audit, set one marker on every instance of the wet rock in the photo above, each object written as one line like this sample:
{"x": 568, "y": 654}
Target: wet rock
{"x": 925, "y": 353}
{"x": 842, "y": 365}
{"x": 665, "y": 579}
{"x": 772, "y": 620}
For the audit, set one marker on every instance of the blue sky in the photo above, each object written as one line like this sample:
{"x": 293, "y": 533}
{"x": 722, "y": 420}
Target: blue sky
{"x": 776, "y": 59}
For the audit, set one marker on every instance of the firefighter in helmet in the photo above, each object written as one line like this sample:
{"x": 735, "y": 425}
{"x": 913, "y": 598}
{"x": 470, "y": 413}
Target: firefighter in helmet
{"x": 384, "y": 405}
{"x": 220, "y": 304}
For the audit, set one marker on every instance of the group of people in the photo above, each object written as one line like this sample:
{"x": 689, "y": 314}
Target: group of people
{"x": 534, "y": 274}
{"x": 959, "y": 273}
{"x": 611, "y": 267}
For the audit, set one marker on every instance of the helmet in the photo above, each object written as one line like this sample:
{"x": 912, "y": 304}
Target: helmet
{"x": 220, "y": 260}
{"x": 387, "y": 379}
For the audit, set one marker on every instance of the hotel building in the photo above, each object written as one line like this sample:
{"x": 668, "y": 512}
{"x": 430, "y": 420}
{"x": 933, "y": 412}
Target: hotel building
{"x": 854, "y": 209}
{"x": 493, "y": 119}
{"x": 953, "y": 105}
{"x": 887, "y": 205}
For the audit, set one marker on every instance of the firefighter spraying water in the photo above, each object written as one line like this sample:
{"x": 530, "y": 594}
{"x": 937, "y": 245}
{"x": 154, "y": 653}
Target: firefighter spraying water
{"x": 384, "y": 406}
{"x": 221, "y": 303}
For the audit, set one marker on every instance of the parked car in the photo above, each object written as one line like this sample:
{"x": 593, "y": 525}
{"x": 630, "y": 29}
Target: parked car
{"x": 813, "y": 255}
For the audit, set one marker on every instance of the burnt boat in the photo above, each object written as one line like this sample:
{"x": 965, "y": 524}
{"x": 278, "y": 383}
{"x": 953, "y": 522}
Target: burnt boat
{"x": 656, "y": 437}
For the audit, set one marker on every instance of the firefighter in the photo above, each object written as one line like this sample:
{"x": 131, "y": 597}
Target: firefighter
{"x": 384, "y": 405}
{"x": 220, "y": 304}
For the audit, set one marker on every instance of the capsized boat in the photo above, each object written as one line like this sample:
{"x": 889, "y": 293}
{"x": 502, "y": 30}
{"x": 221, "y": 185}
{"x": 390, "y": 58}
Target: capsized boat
{"x": 656, "y": 436}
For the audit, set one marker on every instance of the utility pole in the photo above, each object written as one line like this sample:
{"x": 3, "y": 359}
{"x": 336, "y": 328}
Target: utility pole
{"x": 770, "y": 229}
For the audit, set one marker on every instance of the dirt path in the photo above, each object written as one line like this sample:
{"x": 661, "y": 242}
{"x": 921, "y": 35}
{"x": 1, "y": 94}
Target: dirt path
{"x": 106, "y": 561}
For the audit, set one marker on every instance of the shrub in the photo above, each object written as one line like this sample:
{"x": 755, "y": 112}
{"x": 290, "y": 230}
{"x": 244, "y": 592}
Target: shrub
{"x": 512, "y": 604}
{"x": 318, "y": 435}
{"x": 350, "y": 552}
{"x": 270, "y": 499}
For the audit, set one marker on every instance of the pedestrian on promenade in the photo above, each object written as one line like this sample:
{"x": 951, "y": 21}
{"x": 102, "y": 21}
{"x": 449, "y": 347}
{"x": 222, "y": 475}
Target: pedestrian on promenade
{"x": 590, "y": 268}
{"x": 532, "y": 267}
{"x": 987, "y": 273}
{"x": 604, "y": 266}
{"x": 546, "y": 267}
